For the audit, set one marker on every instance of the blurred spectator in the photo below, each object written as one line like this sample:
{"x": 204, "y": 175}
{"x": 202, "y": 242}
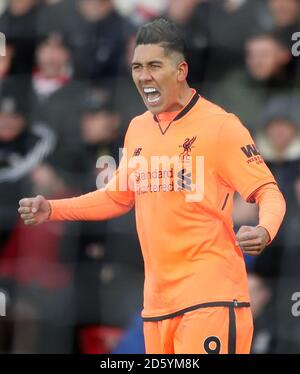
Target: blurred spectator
{"x": 55, "y": 99}
{"x": 3, "y": 5}
{"x": 141, "y": 11}
{"x": 99, "y": 132}
{"x": 245, "y": 92}
{"x": 260, "y": 296}
{"x": 53, "y": 67}
{"x": 133, "y": 105}
{"x": 283, "y": 16}
{"x": 39, "y": 280}
{"x": 99, "y": 121}
{"x": 190, "y": 18}
{"x": 22, "y": 147}
{"x": 9, "y": 83}
{"x": 279, "y": 142}
{"x": 18, "y": 23}
{"x": 220, "y": 20}
{"x": 53, "y": 14}
{"x": 287, "y": 326}
{"x": 98, "y": 36}
{"x": 5, "y": 64}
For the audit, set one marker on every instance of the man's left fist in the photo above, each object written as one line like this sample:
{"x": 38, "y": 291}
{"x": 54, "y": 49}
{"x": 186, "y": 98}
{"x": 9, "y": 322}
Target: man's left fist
{"x": 252, "y": 240}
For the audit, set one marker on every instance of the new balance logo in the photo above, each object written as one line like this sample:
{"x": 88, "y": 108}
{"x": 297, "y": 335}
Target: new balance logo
{"x": 137, "y": 152}
{"x": 250, "y": 150}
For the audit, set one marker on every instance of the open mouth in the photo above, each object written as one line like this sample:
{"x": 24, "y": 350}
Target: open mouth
{"x": 152, "y": 95}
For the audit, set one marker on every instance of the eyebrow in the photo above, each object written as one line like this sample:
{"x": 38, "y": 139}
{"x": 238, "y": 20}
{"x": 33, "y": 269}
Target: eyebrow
{"x": 148, "y": 63}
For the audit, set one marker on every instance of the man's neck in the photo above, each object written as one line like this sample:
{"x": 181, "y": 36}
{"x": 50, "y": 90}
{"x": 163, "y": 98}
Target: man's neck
{"x": 185, "y": 97}
{"x": 183, "y": 101}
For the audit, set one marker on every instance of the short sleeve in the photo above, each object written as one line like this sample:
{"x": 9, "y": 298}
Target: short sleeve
{"x": 239, "y": 162}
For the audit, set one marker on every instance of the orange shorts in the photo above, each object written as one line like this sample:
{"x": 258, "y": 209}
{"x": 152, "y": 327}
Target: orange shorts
{"x": 205, "y": 330}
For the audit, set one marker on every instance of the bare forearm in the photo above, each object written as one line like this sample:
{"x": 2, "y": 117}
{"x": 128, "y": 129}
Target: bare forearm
{"x": 94, "y": 206}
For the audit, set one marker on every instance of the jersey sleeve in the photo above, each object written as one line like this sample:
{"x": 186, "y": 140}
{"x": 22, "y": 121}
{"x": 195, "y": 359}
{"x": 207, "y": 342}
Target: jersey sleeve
{"x": 94, "y": 206}
{"x": 115, "y": 199}
{"x": 119, "y": 188}
{"x": 239, "y": 162}
{"x": 272, "y": 208}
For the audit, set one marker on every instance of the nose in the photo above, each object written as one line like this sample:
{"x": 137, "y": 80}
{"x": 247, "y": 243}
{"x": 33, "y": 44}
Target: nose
{"x": 145, "y": 75}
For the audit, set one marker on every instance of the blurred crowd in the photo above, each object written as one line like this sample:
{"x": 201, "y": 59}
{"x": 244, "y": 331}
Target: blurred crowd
{"x": 66, "y": 98}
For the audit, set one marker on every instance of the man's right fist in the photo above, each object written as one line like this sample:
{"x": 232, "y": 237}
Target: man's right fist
{"x": 34, "y": 210}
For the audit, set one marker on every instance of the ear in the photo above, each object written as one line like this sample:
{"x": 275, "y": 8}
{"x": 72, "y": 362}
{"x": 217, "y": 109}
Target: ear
{"x": 182, "y": 71}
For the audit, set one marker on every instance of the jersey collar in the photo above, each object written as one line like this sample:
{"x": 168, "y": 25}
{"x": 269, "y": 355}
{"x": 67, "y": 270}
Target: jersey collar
{"x": 185, "y": 110}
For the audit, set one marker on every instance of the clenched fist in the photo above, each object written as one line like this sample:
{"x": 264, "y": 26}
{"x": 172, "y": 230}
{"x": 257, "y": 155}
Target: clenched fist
{"x": 34, "y": 210}
{"x": 252, "y": 240}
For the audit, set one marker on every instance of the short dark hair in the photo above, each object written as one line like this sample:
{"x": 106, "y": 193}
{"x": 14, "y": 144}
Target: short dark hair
{"x": 163, "y": 32}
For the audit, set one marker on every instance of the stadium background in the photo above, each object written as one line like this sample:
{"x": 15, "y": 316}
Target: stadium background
{"x": 66, "y": 97}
